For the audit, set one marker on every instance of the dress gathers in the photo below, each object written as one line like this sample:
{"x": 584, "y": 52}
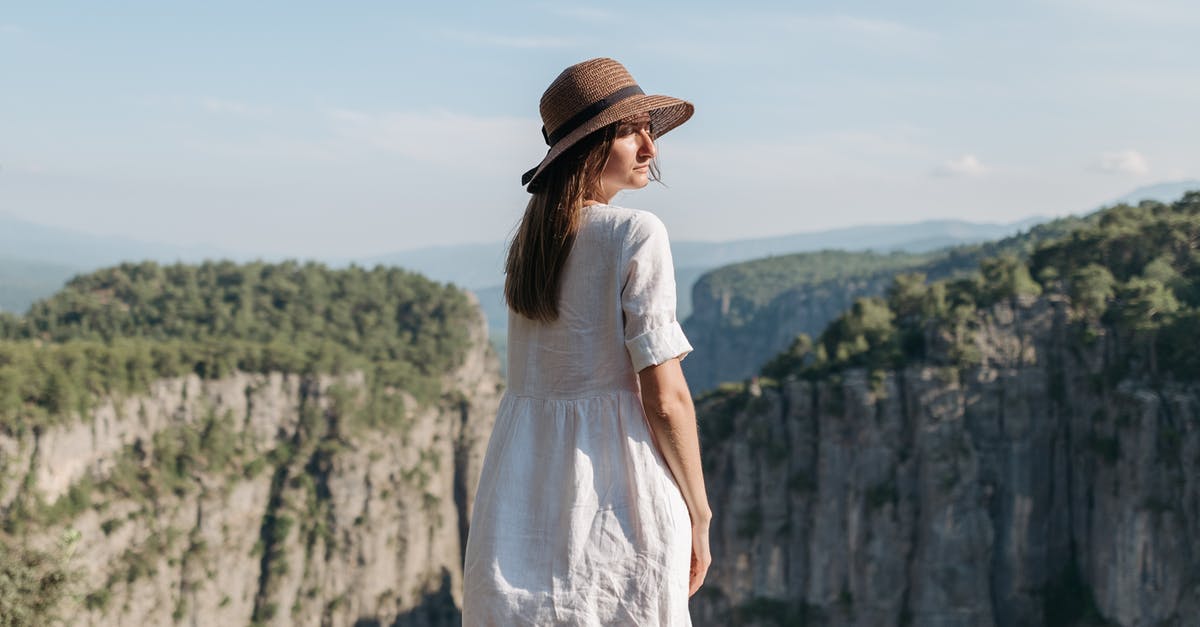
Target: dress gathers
{"x": 577, "y": 519}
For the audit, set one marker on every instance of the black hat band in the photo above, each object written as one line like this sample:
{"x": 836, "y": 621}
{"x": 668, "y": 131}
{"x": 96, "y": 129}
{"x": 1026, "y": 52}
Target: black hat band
{"x": 590, "y": 112}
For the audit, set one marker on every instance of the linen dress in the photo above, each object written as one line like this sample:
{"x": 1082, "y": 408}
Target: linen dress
{"x": 577, "y": 519}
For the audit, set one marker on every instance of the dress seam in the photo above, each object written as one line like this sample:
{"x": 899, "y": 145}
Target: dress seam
{"x": 575, "y": 398}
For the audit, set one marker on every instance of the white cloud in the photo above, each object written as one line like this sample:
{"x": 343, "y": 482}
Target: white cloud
{"x": 217, "y": 105}
{"x": 1122, "y": 162}
{"x": 966, "y": 165}
{"x": 10, "y": 29}
{"x": 465, "y": 142}
{"x": 507, "y": 41}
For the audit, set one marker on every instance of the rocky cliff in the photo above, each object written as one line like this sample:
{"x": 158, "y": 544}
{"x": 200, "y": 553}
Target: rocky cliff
{"x": 744, "y": 314}
{"x": 730, "y": 346}
{"x": 260, "y": 499}
{"x": 1040, "y": 487}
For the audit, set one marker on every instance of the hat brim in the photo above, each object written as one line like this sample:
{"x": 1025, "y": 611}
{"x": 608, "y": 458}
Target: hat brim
{"x": 666, "y": 112}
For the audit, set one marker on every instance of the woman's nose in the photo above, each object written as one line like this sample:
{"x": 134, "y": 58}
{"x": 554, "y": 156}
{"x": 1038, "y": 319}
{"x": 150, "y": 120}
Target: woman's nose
{"x": 647, "y": 147}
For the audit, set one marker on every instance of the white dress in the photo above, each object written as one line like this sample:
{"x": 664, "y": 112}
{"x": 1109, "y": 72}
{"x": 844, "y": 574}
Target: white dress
{"x": 577, "y": 519}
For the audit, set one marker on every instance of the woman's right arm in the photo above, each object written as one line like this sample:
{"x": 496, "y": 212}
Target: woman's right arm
{"x": 672, "y": 418}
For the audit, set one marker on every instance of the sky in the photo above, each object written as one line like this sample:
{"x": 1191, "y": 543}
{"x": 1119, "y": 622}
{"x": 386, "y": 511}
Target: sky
{"x": 360, "y": 128}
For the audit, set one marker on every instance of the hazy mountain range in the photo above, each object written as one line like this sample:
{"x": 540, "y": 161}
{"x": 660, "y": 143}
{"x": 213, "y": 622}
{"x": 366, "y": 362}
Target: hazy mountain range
{"x": 481, "y": 265}
{"x": 36, "y": 259}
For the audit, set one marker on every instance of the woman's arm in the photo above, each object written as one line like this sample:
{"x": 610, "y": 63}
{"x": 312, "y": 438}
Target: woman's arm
{"x": 672, "y": 419}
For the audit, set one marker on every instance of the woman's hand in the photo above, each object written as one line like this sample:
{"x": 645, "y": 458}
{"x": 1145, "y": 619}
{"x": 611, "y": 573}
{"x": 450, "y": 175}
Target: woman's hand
{"x": 701, "y": 558}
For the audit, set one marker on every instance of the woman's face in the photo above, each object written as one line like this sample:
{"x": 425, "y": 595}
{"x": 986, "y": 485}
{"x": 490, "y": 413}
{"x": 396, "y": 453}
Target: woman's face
{"x": 628, "y": 165}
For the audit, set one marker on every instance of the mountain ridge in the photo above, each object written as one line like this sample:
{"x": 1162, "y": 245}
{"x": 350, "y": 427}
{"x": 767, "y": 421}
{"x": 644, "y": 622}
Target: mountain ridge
{"x": 996, "y": 450}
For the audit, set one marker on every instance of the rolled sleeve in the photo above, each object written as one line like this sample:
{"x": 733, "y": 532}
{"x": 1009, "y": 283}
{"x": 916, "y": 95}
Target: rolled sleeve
{"x": 652, "y": 334}
{"x": 658, "y": 345}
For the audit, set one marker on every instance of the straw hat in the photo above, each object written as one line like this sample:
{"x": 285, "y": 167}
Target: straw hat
{"x": 591, "y": 95}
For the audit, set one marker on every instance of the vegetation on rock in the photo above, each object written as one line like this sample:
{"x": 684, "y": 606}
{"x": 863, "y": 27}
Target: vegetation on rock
{"x": 113, "y": 333}
{"x": 1134, "y": 270}
{"x": 116, "y": 330}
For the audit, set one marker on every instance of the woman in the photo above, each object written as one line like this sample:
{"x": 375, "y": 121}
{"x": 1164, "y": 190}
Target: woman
{"x": 591, "y": 507}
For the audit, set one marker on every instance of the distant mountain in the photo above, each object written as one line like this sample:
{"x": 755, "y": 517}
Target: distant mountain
{"x": 1162, "y": 192}
{"x": 481, "y": 265}
{"x": 32, "y": 242}
{"x": 915, "y": 237}
{"x": 472, "y": 266}
{"x": 23, "y": 281}
{"x": 37, "y": 259}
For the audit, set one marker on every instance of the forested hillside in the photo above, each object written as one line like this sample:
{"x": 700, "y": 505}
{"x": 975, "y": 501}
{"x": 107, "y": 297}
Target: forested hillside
{"x": 1019, "y": 446}
{"x": 1133, "y": 272}
{"x": 173, "y": 423}
{"x": 745, "y": 313}
{"x": 119, "y": 328}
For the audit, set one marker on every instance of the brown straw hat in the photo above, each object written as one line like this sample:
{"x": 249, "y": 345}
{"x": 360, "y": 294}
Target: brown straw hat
{"x": 591, "y": 95}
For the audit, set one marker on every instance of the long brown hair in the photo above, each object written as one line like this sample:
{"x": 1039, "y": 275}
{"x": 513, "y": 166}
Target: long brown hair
{"x": 544, "y": 238}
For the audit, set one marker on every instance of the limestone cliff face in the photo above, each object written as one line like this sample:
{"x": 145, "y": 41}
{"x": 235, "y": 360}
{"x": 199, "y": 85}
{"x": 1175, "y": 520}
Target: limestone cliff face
{"x": 1032, "y": 490}
{"x": 733, "y": 347}
{"x": 256, "y": 499}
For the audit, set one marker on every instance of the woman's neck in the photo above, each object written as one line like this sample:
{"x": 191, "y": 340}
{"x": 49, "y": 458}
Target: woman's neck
{"x": 593, "y": 201}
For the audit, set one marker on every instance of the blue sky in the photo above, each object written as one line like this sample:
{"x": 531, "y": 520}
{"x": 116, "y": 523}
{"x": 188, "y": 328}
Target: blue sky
{"x": 315, "y": 129}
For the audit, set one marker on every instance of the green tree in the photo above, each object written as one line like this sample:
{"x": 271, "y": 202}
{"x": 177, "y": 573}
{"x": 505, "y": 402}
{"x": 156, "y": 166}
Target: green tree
{"x": 907, "y": 296}
{"x": 792, "y": 360}
{"x": 1145, "y": 303}
{"x": 1006, "y": 277}
{"x": 863, "y": 336}
{"x": 1091, "y": 288}
{"x": 33, "y": 583}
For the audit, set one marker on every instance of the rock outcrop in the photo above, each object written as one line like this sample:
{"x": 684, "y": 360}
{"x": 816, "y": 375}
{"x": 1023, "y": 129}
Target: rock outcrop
{"x": 744, "y": 314}
{"x": 263, "y": 498}
{"x": 1042, "y": 487}
{"x": 732, "y": 348}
